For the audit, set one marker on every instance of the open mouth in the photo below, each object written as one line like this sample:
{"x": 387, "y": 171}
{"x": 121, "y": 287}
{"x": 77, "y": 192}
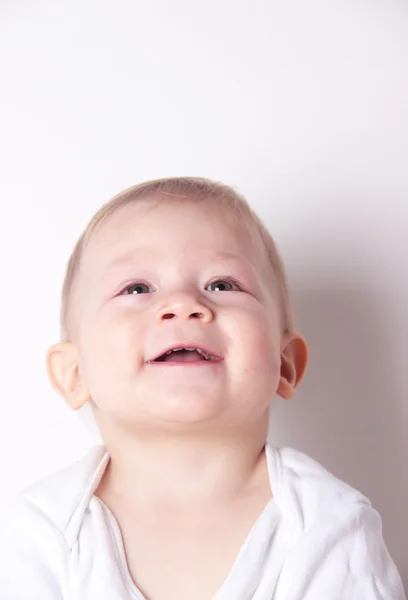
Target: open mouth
{"x": 186, "y": 355}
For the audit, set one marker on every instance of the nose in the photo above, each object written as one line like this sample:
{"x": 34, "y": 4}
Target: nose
{"x": 185, "y": 306}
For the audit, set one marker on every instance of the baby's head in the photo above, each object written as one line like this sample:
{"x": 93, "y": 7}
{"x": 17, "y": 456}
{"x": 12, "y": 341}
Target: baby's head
{"x": 176, "y": 263}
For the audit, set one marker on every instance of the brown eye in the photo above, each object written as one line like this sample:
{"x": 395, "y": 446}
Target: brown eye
{"x": 135, "y": 289}
{"x": 222, "y": 284}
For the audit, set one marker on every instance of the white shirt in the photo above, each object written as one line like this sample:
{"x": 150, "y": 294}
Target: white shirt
{"x": 317, "y": 539}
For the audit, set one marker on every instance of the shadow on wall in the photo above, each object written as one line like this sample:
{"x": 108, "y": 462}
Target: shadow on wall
{"x": 347, "y": 414}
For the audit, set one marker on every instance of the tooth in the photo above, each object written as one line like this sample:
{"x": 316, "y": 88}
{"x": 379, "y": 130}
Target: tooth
{"x": 206, "y": 356}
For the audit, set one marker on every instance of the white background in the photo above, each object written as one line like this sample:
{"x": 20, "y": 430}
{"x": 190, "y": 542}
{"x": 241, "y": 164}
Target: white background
{"x": 301, "y": 105}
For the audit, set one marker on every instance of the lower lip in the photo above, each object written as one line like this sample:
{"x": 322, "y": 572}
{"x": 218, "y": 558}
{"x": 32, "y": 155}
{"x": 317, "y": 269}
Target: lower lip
{"x": 196, "y": 363}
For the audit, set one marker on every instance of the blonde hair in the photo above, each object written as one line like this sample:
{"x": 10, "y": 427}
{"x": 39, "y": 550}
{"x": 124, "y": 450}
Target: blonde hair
{"x": 193, "y": 189}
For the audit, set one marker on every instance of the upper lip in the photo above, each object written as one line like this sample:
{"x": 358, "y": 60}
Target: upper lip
{"x": 208, "y": 351}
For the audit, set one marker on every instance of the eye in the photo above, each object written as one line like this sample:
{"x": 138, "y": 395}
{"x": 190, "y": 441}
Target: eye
{"x": 137, "y": 288}
{"x": 226, "y": 280}
{"x": 134, "y": 289}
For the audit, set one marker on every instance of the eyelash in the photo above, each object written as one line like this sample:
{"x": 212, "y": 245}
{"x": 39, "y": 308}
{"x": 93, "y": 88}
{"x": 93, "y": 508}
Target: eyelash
{"x": 224, "y": 279}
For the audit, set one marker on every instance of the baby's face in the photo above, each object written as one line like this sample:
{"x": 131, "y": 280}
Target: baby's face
{"x": 155, "y": 276}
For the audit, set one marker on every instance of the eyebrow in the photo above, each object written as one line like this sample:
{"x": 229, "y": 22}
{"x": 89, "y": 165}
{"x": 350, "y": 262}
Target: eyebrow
{"x": 136, "y": 257}
{"x": 131, "y": 257}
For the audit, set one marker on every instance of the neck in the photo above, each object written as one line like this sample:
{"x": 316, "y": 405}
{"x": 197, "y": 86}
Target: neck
{"x": 184, "y": 469}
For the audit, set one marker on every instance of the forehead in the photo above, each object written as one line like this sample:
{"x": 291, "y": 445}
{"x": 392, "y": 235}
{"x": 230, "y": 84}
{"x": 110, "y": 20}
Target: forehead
{"x": 171, "y": 227}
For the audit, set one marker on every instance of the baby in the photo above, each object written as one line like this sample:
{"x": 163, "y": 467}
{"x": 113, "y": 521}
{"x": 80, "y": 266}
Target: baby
{"x": 177, "y": 331}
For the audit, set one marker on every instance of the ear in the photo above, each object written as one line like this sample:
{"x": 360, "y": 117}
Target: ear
{"x": 294, "y": 356}
{"x": 65, "y": 374}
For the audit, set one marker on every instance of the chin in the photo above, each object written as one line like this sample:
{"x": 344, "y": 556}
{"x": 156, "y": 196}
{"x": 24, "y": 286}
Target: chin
{"x": 186, "y": 409}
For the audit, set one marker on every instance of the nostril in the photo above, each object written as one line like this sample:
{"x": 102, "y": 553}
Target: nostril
{"x": 196, "y": 315}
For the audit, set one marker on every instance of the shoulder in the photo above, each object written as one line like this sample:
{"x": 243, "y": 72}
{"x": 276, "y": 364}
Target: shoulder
{"x": 309, "y": 491}
{"x": 50, "y": 506}
{"x": 38, "y": 530}
{"x": 338, "y": 544}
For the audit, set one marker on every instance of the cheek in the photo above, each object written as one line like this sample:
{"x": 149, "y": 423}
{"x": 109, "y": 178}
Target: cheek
{"x": 256, "y": 338}
{"x": 255, "y": 365}
{"x": 112, "y": 351}
{"x": 263, "y": 356}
